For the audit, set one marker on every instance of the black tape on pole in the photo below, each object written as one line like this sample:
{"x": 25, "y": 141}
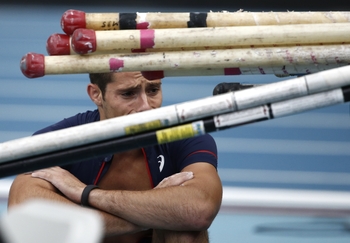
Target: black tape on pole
{"x": 346, "y": 93}
{"x": 197, "y": 20}
{"x": 76, "y": 154}
{"x": 127, "y": 21}
{"x": 270, "y": 111}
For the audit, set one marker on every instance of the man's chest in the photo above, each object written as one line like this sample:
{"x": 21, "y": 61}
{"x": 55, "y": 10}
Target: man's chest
{"x": 127, "y": 173}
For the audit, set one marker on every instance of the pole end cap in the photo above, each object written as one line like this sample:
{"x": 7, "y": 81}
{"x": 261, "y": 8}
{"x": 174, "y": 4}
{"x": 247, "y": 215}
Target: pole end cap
{"x": 84, "y": 41}
{"x": 58, "y": 44}
{"x": 33, "y": 65}
{"x": 72, "y": 20}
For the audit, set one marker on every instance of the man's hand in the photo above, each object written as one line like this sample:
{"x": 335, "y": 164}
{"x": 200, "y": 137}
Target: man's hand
{"x": 175, "y": 180}
{"x": 64, "y": 181}
{"x": 72, "y": 188}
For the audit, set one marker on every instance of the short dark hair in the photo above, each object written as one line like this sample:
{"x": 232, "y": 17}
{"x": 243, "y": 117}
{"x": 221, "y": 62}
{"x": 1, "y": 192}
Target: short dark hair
{"x": 101, "y": 80}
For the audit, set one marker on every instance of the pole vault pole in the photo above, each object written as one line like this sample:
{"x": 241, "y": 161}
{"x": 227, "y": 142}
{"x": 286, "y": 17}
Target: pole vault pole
{"x": 61, "y": 44}
{"x": 175, "y": 114}
{"x": 87, "y": 41}
{"x": 196, "y": 128}
{"x": 74, "y": 19}
{"x": 287, "y": 59}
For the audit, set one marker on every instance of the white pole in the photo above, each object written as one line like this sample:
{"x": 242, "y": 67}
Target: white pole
{"x": 175, "y": 114}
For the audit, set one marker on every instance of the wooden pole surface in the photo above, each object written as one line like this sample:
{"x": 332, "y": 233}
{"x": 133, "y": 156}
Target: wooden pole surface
{"x": 60, "y": 44}
{"x": 73, "y": 19}
{"x": 315, "y": 58}
{"x": 86, "y": 40}
{"x": 278, "y": 71}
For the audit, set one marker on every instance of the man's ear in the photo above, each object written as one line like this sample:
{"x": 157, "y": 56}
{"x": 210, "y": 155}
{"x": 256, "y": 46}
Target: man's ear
{"x": 95, "y": 94}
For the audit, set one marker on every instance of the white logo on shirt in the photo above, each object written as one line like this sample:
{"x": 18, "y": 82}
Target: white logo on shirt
{"x": 161, "y": 162}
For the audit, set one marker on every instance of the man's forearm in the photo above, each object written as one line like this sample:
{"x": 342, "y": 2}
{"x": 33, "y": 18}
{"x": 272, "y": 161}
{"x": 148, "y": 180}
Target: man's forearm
{"x": 173, "y": 208}
{"x": 25, "y": 187}
{"x": 183, "y": 201}
{"x": 133, "y": 206}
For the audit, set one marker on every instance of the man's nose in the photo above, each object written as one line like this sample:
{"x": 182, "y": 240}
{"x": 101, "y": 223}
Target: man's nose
{"x": 143, "y": 103}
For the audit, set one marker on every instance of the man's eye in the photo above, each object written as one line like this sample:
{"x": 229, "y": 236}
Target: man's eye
{"x": 153, "y": 91}
{"x": 128, "y": 94}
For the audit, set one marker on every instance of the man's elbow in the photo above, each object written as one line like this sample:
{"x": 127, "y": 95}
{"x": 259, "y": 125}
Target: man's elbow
{"x": 203, "y": 217}
{"x": 15, "y": 197}
{"x": 202, "y": 223}
{"x": 25, "y": 187}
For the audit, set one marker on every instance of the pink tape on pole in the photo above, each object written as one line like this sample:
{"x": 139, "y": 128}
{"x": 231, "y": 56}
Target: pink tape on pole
{"x": 116, "y": 64}
{"x": 314, "y": 58}
{"x": 146, "y": 39}
{"x": 142, "y": 26}
{"x": 232, "y": 71}
{"x": 289, "y": 57}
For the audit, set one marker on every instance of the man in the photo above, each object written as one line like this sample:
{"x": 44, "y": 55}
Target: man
{"x": 169, "y": 192}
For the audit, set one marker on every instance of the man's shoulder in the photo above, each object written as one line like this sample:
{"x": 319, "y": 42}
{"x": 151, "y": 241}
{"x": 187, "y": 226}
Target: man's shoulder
{"x": 202, "y": 142}
{"x": 197, "y": 140}
{"x": 78, "y": 119}
{"x": 85, "y": 117}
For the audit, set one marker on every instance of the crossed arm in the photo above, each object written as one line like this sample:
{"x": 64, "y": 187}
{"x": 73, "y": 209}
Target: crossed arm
{"x": 27, "y": 187}
{"x": 184, "y": 201}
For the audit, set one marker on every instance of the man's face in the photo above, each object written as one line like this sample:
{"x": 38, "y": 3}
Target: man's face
{"x": 129, "y": 93}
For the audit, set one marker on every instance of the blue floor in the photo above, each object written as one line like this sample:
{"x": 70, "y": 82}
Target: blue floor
{"x": 283, "y": 229}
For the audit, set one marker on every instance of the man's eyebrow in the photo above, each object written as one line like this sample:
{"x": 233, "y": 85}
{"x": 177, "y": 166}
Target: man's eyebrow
{"x": 154, "y": 83}
{"x": 138, "y": 86}
{"x": 130, "y": 88}
{"x": 123, "y": 88}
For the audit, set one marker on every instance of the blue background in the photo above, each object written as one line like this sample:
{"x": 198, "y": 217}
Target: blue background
{"x": 304, "y": 151}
